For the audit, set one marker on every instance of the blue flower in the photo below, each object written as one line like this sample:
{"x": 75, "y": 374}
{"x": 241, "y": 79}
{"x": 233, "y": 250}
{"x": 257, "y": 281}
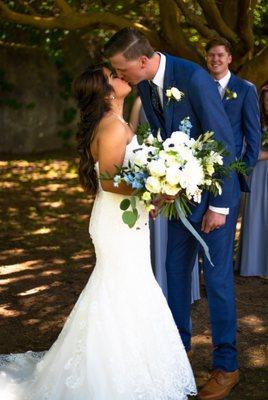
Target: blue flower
{"x": 128, "y": 179}
{"x": 136, "y": 184}
{"x": 186, "y": 126}
{"x": 117, "y": 180}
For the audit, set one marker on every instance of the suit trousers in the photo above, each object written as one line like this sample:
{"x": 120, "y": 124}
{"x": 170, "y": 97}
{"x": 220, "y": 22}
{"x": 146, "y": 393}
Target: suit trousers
{"x": 181, "y": 254}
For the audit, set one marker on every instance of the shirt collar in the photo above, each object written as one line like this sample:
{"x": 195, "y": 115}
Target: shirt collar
{"x": 224, "y": 81}
{"x": 159, "y": 76}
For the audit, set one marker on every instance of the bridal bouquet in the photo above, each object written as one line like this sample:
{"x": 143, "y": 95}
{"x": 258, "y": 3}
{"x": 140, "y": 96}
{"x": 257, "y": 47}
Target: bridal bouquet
{"x": 170, "y": 175}
{"x": 180, "y": 166}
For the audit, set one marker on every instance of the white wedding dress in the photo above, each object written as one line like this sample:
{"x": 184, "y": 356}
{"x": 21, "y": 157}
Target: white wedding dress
{"x": 120, "y": 341}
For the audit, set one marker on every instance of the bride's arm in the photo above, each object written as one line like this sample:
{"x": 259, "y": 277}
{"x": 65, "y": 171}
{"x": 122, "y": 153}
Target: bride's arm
{"x": 112, "y": 144}
{"x": 263, "y": 155}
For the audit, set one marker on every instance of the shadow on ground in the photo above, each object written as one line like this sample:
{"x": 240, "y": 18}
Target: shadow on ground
{"x": 47, "y": 256}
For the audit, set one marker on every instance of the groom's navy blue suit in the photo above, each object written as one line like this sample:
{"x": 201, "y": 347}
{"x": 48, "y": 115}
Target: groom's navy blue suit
{"x": 202, "y": 103}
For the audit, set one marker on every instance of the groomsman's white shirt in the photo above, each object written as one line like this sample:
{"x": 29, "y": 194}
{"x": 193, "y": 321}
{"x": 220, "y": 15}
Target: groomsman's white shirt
{"x": 223, "y": 83}
{"x": 158, "y": 80}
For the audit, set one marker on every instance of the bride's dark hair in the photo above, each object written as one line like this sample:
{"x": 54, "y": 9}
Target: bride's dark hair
{"x": 91, "y": 91}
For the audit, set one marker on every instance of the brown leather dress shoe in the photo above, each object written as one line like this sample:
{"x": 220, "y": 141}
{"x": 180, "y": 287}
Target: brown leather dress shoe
{"x": 219, "y": 385}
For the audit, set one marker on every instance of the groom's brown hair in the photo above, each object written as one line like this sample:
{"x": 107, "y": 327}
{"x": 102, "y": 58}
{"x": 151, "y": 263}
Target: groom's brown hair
{"x": 130, "y": 42}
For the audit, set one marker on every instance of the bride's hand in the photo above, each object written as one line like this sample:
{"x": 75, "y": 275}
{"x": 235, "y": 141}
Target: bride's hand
{"x": 168, "y": 198}
{"x": 154, "y": 213}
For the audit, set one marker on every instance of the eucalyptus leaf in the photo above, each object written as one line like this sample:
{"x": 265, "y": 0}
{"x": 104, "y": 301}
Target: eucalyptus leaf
{"x": 133, "y": 202}
{"x": 129, "y": 218}
{"x": 135, "y": 211}
{"x": 124, "y": 205}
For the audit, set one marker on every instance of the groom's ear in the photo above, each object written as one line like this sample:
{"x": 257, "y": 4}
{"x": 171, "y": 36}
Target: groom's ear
{"x": 143, "y": 61}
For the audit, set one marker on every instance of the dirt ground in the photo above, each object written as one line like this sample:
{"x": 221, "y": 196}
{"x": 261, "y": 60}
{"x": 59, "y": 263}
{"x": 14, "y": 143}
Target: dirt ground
{"x": 47, "y": 257}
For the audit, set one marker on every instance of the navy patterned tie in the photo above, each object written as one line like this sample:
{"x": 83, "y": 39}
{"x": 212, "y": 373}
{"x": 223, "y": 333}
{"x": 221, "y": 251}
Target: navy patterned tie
{"x": 220, "y": 88}
{"x": 155, "y": 99}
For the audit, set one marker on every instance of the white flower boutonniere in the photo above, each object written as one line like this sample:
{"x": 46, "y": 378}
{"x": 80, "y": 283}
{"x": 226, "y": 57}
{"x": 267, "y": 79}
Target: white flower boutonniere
{"x": 229, "y": 94}
{"x": 174, "y": 94}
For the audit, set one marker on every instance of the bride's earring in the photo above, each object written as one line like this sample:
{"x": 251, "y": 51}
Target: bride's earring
{"x": 112, "y": 97}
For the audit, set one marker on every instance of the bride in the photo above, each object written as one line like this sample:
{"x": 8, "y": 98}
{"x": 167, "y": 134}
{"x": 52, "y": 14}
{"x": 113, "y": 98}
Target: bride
{"x": 120, "y": 341}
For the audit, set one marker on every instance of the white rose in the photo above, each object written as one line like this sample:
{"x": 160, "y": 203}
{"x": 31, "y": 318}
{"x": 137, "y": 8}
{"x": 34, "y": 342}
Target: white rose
{"x": 157, "y": 167}
{"x": 180, "y": 137}
{"x": 170, "y": 190}
{"x": 140, "y": 156}
{"x": 168, "y": 158}
{"x": 172, "y": 175}
{"x": 192, "y": 175}
{"x": 184, "y": 154}
{"x": 176, "y": 93}
{"x": 168, "y": 93}
{"x": 153, "y": 184}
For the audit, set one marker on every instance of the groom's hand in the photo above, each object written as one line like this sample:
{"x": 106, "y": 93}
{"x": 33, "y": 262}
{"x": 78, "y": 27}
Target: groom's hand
{"x": 212, "y": 220}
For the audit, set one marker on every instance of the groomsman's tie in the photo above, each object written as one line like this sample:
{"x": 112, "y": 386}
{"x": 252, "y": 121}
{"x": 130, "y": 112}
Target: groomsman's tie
{"x": 156, "y": 102}
{"x": 220, "y": 89}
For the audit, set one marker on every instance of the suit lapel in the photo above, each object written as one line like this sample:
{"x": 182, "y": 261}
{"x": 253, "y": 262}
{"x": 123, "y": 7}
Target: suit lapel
{"x": 231, "y": 84}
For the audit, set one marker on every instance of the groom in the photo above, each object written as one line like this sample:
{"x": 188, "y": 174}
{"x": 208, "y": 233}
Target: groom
{"x": 135, "y": 61}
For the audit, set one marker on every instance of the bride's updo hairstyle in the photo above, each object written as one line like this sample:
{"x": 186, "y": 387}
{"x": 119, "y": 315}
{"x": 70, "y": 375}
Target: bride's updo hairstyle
{"x": 91, "y": 91}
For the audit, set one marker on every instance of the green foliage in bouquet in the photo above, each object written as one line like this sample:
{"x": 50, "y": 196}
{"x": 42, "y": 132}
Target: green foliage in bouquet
{"x": 142, "y": 133}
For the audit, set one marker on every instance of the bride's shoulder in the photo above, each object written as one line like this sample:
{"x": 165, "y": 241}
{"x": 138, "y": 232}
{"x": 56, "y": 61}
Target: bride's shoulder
{"x": 112, "y": 129}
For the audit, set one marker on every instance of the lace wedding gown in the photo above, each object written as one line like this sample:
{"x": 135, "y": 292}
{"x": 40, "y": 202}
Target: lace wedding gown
{"x": 120, "y": 341}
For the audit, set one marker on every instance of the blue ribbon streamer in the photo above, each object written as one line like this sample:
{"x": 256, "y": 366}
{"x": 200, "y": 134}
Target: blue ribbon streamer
{"x": 188, "y": 225}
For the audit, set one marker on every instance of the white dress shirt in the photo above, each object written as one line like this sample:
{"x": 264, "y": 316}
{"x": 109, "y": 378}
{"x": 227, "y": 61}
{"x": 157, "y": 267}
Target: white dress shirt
{"x": 223, "y": 82}
{"x": 158, "y": 80}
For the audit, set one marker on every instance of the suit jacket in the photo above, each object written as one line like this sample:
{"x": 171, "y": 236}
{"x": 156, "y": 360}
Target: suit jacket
{"x": 244, "y": 115}
{"x": 202, "y": 103}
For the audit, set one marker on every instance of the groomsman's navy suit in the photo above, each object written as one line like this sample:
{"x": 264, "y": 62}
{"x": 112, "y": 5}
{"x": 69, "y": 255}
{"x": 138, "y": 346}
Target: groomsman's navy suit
{"x": 202, "y": 103}
{"x": 243, "y": 113}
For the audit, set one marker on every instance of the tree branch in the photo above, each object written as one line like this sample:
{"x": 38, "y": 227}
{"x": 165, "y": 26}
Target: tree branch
{"x": 214, "y": 17}
{"x": 229, "y": 11}
{"x": 194, "y": 20}
{"x": 169, "y": 24}
{"x": 19, "y": 46}
{"x": 245, "y": 24}
{"x": 77, "y": 21}
{"x": 64, "y": 7}
{"x": 128, "y": 6}
{"x": 27, "y": 6}
{"x": 256, "y": 69}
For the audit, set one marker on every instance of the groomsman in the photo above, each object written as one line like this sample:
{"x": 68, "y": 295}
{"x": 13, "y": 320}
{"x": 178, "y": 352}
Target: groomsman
{"x": 240, "y": 101}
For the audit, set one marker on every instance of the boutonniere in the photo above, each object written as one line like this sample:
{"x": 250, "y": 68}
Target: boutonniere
{"x": 229, "y": 94}
{"x": 174, "y": 94}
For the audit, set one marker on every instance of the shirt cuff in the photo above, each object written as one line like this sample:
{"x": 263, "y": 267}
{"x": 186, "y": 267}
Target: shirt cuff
{"x": 219, "y": 210}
